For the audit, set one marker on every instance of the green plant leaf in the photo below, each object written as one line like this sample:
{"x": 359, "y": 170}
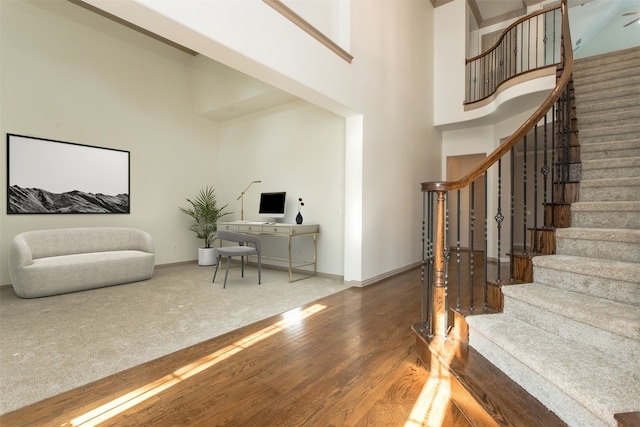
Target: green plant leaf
{"x": 205, "y": 214}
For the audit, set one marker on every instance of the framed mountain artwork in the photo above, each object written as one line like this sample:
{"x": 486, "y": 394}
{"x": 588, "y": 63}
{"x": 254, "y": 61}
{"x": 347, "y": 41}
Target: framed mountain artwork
{"x": 55, "y": 177}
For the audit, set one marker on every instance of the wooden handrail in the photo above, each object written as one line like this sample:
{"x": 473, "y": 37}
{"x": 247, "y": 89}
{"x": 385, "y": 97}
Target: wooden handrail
{"x": 519, "y": 21}
{"x": 292, "y": 16}
{"x": 525, "y": 127}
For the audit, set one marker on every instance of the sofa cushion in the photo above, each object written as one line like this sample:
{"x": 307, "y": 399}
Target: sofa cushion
{"x": 70, "y": 273}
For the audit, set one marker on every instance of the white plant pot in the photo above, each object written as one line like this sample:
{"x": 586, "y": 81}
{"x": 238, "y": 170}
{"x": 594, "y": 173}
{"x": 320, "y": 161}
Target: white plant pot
{"x": 207, "y": 256}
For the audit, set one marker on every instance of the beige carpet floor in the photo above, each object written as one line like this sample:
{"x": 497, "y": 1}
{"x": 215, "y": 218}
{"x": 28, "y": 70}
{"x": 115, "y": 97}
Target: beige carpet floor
{"x": 54, "y": 344}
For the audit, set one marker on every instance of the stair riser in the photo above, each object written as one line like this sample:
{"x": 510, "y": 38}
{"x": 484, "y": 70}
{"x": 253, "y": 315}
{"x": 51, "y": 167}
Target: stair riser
{"x": 609, "y": 194}
{"x": 586, "y": 139}
{"x": 547, "y": 393}
{"x": 594, "y": 66}
{"x": 611, "y": 133}
{"x": 607, "y": 120}
{"x": 605, "y": 91}
{"x": 600, "y": 287}
{"x": 621, "y": 349}
{"x": 613, "y": 172}
{"x": 610, "y": 154}
{"x": 595, "y": 102}
{"x": 609, "y": 219}
{"x": 615, "y": 251}
{"x": 602, "y": 81}
{"x": 606, "y": 84}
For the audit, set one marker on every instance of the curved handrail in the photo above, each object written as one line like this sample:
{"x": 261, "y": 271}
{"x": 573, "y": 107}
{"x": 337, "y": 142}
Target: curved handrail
{"x": 526, "y": 126}
{"x": 509, "y": 28}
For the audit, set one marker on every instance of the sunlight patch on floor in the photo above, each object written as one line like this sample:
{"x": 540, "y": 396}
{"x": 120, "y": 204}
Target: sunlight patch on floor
{"x": 433, "y": 403}
{"x": 129, "y": 400}
{"x": 431, "y": 406}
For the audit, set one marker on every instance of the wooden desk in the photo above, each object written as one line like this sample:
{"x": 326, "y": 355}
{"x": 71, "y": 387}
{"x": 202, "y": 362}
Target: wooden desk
{"x": 283, "y": 230}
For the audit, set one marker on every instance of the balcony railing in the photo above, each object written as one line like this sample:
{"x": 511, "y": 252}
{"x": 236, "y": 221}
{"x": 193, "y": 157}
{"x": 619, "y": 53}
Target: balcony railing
{"x": 531, "y": 43}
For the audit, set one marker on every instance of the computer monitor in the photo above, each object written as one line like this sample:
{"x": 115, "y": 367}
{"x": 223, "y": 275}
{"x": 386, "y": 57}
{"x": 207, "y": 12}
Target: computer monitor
{"x": 272, "y": 204}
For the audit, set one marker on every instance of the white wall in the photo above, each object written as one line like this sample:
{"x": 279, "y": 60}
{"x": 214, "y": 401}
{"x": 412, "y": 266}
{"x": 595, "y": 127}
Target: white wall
{"x": 297, "y": 148}
{"x": 385, "y": 94}
{"x": 389, "y": 83}
{"x": 70, "y": 75}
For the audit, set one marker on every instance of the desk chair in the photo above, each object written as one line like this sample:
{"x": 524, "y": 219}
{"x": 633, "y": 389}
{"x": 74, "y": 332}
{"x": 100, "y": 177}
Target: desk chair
{"x": 241, "y": 250}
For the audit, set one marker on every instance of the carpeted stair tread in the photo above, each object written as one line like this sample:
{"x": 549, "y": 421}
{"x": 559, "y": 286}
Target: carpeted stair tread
{"x": 606, "y": 269}
{"x": 595, "y": 72}
{"x": 606, "y": 243}
{"x": 617, "y": 318}
{"x": 596, "y": 103}
{"x": 614, "y": 117}
{"x": 626, "y": 167}
{"x": 598, "y": 64}
{"x": 600, "y": 234}
{"x": 610, "y": 189}
{"x": 605, "y": 84}
{"x": 615, "y": 280}
{"x": 612, "y": 131}
{"x": 606, "y": 150}
{"x": 591, "y": 103}
{"x": 618, "y": 214}
{"x": 578, "y": 383}
{"x": 619, "y": 206}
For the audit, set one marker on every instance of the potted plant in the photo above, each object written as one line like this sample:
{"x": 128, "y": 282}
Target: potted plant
{"x": 205, "y": 213}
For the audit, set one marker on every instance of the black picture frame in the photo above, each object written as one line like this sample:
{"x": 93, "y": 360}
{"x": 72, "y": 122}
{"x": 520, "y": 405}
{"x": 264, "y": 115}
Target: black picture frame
{"x": 45, "y": 176}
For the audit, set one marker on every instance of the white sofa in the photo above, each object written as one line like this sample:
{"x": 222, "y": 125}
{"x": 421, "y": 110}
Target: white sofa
{"x": 51, "y": 262}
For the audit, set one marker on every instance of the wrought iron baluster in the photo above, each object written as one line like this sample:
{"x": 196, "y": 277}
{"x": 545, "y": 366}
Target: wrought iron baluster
{"x": 554, "y": 176}
{"x": 431, "y": 232}
{"x": 424, "y": 243}
{"x": 472, "y": 220}
{"x": 485, "y": 288}
{"x": 512, "y": 213}
{"x": 524, "y": 195}
{"x": 447, "y": 255}
{"x": 458, "y": 254}
{"x": 499, "y": 217}
{"x": 545, "y": 165}
{"x": 536, "y": 249}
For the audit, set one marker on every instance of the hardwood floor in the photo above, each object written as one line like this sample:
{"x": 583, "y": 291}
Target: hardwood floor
{"x": 345, "y": 360}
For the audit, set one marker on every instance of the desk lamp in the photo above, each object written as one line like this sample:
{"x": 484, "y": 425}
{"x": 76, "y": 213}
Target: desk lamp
{"x": 241, "y": 198}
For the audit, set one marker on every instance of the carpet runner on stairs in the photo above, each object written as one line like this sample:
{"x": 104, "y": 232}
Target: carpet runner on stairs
{"x": 572, "y": 338}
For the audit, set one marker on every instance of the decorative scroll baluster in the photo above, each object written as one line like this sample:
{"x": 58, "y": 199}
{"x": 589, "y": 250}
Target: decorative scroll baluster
{"x": 545, "y": 164}
{"x": 447, "y": 256}
{"x": 485, "y": 289}
{"x": 499, "y": 217}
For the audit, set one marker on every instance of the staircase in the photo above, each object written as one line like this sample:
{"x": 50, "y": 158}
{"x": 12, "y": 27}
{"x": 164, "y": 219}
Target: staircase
{"x": 572, "y": 337}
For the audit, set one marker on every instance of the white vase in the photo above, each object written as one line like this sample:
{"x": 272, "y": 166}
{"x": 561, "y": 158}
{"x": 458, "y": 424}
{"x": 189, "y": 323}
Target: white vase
{"x": 207, "y": 256}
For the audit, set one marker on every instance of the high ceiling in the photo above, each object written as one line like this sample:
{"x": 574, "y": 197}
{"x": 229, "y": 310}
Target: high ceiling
{"x": 486, "y": 12}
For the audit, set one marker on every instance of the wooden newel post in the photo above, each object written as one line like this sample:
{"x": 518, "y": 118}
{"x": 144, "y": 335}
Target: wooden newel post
{"x": 439, "y": 309}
